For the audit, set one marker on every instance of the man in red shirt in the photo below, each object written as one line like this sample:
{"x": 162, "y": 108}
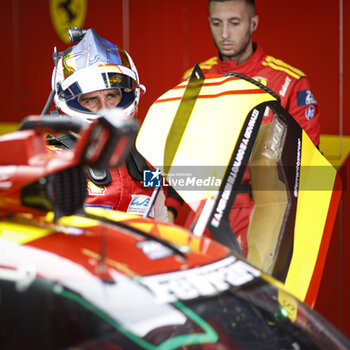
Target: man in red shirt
{"x": 232, "y": 24}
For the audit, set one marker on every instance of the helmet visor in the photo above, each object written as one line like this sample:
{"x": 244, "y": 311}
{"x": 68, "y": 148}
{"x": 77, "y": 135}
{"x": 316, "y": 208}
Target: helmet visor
{"x": 97, "y": 78}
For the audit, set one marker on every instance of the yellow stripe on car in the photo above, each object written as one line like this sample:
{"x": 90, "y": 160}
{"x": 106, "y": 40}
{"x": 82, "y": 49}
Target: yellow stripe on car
{"x": 21, "y": 233}
{"x": 313, "y": 193}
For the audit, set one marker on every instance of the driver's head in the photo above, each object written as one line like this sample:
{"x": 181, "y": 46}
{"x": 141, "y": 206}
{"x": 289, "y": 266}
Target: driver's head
{"x": 95, "y": 74}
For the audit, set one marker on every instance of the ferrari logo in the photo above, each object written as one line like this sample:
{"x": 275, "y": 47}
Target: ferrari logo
{"x": 261, "y": 80}
{"x": 66, "y": 14}
{"x": 95, "y": 190}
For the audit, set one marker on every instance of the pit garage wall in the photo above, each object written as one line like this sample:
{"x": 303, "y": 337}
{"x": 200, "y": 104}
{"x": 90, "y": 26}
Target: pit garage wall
{"x": 166, "y": 37}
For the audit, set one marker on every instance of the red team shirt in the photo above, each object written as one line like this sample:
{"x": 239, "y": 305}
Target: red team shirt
{"x": 290, "y": 83}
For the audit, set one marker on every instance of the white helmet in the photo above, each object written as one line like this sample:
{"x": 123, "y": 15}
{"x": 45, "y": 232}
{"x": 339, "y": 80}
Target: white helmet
{"x": 91, "y": 65}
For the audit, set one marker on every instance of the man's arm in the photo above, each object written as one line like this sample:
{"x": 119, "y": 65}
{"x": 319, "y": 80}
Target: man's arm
{"x": 303, "y": 106}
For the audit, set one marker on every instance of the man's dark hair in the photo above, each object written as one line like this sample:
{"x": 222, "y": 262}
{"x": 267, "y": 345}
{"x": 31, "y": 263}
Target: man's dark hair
{"x": 248, "y": 2}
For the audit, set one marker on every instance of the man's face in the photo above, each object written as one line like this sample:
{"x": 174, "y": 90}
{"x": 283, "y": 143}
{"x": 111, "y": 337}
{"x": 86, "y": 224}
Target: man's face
{"x": 231, "y": 28}
{"x": 96, "y": 100}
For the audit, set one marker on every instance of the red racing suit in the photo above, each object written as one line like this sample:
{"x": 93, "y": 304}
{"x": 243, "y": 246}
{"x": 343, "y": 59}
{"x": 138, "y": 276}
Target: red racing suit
{"x": 123, "y": 193}
{"x": 294, "y": 89}
{"x": 127, "y": 194}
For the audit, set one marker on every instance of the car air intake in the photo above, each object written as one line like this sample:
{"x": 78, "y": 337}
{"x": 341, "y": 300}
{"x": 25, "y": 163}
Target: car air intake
{"x": 63, "y": 193}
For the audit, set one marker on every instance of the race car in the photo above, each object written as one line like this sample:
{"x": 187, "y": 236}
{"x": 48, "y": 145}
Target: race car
{"x": 84, "y": 278}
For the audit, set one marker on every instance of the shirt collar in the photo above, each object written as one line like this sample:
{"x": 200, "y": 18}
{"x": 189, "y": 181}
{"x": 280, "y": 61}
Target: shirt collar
{"x": 257, "y": 56}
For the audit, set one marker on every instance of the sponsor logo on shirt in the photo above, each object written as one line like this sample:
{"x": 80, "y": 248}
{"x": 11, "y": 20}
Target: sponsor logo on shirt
{"x": 138, "y": 204}
{"x": 261, "y": 80}
{"x": 94, "y": 190}
{"x": 310, "y": 112}
{"x": 285, "y": 86}
{"x": 305, "y": 98}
